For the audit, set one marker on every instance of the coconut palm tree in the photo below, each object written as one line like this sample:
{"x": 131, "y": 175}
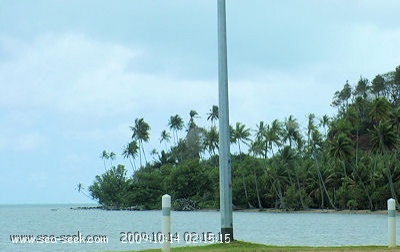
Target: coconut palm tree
{"x": 384, "y": 140}
{"x": 257, "y": 148}
{"x": 81, "y": 189}
{"x": 154, "y": 154}
{"x": 211, "y": 140}
{"x": 130, "y": 152}
{"x": 241, "y": 134}
{"x": 104, "y": 155}
{"x": 260, "y": 142}
{"x": 380, "y": 110}
{"x": 291, "y": 132}
{"x": 165, "y": 137}
{"x": 279, "y": 179}
{"x": 141, "y": 134}
{"x": 324, "y": 122}
{"x": 175, "y": 123}
{"x": 213, "y": 114}
{"x": 112, "y": 157}
{"x": 310, "y": 128}
{"x": 317, "y": 155}
{"x": 288, "y": 159}
{"x": 341, "y": 149}
{"x": 292, "y": 135}
{"x": 273, "y": 135}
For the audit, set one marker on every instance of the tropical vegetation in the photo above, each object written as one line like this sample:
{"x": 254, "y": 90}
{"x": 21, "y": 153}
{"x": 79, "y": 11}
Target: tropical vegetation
{"x": 347, "y": 161}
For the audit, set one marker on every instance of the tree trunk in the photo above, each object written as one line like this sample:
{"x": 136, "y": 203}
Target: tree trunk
{"x": 324, "y": 186}
{"x": 391, "y": 185}
{"x": 371, "y": 206}
{"x": 299, "y": 188}
{"x": 257, "y": 191}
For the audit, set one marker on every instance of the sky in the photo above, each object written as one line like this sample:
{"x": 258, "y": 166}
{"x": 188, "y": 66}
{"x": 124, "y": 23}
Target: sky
{"x": 74, "y": 75}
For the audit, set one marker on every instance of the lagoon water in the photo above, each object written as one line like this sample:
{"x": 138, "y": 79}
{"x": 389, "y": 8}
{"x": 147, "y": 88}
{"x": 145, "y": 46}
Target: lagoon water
{"x": 308, "y": 229}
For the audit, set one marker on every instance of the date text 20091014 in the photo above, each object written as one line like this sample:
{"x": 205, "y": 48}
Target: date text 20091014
{"x": 187, "y": 237}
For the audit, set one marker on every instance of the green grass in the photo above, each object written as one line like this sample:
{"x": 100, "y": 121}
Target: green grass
{"x": 252, "y": 247}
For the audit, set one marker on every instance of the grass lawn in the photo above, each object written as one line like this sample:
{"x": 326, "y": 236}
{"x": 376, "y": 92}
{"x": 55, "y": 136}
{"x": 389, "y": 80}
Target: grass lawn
{"x": 246, "y": 246}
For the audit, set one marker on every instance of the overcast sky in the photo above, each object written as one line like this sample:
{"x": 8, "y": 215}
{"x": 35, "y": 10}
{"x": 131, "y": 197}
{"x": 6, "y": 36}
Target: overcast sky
{"x": 75, "y": 74}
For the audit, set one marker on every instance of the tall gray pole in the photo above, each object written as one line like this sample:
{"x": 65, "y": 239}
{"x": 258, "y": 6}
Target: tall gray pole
{"x": 225, "y": 181}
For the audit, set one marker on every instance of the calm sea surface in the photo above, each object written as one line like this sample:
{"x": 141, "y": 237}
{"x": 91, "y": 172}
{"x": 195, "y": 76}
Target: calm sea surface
{"x": 309, "y": 229}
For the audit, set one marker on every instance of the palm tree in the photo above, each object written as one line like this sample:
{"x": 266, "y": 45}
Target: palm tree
{"x": 292, "y": 135}
{"x": 291, "y": 131}
{"x": 380, "y": 109}
{"x": 154, "y": 153}
{"x": 112, "y": 157}
{"x": 81, "y": 189}
{"x": 241, "y": 134}
{"x": 324, "y": 122}
{"x": 213, "y": 114}
{"x": 341, "y": 149}
{"x": 317, "y": 154}
{"x": 104, "y": 155}
{"x": 211, "y": 140}
{"x": 384, "y": 140}
{"x": 288, "y": 159}
{"x": 130, "y": 152}
{"x": 175, "y": 123}
{"x": 261, "y": 139}
{"x": 310, "y": 128}
{"x": 257, "y": 148}
{"x": 141, "y": 134}
{"x": 273, "y": 135}
{"x": 165, "y": 137}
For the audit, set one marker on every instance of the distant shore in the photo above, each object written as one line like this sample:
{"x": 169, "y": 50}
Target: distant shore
{"x": 108, "y": 208}
{"x": 269, "y": 210}
{"x": 346, "y": 211}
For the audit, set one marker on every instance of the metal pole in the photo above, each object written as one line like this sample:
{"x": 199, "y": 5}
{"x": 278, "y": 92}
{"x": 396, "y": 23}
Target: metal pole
{"x": 224, "y": 135}
{"x": 166, "y": 222}
{"x": 391, "y": 204}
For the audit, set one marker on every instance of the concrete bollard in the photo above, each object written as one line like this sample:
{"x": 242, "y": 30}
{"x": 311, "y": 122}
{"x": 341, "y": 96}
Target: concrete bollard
{"x": 391, "y": 203}
{"x": 166, "y": 222}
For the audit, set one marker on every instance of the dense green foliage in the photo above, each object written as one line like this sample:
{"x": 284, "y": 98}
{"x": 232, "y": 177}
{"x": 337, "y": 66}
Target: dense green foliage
{"x": 349, "y": 161}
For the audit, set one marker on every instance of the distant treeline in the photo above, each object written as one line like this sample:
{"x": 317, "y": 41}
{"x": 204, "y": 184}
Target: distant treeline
{"x": 349, "y": 161}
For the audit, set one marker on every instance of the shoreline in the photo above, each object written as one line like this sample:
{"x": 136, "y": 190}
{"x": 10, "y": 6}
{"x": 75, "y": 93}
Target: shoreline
{"x": 266, "y": 210}
{"x": 327, "y": 211}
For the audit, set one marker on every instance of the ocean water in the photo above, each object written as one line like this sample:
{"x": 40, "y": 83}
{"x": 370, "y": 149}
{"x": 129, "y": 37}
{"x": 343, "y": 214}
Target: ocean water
{"x": 60, "y": 228}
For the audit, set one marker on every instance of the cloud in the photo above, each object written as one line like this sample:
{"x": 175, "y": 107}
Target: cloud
{"x": 47, "y": 71}
{"x": 363, "y": 49}
{"x": 74, "y": 74}
{"x": 269, "y": 95}
{"x": 70, "y": 89}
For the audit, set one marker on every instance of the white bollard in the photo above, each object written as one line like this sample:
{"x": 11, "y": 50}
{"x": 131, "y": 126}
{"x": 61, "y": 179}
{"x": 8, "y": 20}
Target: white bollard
{"x": 166, "y": 222}
{"x": 391, "y": 203}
